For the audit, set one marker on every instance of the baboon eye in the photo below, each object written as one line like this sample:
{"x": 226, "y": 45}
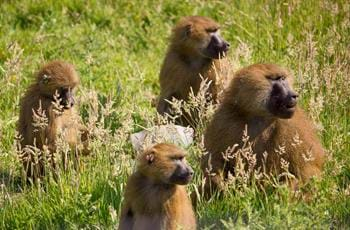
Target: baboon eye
{"x": 175, "y": 158}
{"x": 63, "y": 90}
{"x": 211, "y": 30}
{"x": 45, "y": 79}
{"x": 150, "y": 158}
{"x": 278, "y": 78}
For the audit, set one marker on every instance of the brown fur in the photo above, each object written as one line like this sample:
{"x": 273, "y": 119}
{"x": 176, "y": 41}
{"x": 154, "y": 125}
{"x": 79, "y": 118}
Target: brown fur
{"x": 184, "y": 64}
{"x": 150, "y": 202}
{"x": 244, "y": 104}
{"x": 49, "y": 80}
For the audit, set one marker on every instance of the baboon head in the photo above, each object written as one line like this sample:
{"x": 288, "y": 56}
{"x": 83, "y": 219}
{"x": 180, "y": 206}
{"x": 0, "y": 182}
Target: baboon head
{"x": 165, "y": 164}
{"x": 199, "y": 36}
{"x": 60, "y": 78}
{"x": 263, "y": 90}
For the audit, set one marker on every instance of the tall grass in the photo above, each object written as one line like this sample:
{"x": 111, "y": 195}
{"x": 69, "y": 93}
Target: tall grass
{"x": 118, "y": 47}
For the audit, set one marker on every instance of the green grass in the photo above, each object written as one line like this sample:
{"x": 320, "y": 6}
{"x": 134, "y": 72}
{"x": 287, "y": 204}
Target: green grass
{"x": 118, "y": 47}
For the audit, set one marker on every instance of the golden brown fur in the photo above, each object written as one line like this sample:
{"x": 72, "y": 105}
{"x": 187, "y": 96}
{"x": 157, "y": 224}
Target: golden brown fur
{"x": 50, "y": 80}
{"x": 152, "y": 199}
{"x": 245, "y": 103}
{"x": 186, "y": 61}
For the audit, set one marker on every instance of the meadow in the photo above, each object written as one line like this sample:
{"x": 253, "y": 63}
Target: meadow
{"x": 118, "y": 48}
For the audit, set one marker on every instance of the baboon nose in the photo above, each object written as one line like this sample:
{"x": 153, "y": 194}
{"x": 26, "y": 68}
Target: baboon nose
{"x": 226, "y": 46}
{"x": 190, "y": 172}
{"x": 294, "y": 96}
{"x": 71, "y": 102}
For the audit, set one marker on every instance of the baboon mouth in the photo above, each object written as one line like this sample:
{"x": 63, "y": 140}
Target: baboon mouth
{"x": 66, "y": 107}
{"x": 290, "y": 106}
{"x": 225, "y": 49}
{"x": 223, "y": 52}
{"x": 289, "y": 112}
{"x": 182, "y": 180}
{"x": 217, "y": 54}
{"x": 286, "y": 111}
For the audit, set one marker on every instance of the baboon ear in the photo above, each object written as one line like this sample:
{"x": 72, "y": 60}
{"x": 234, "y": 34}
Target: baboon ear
{"x": 188, "y": 30}
{"x": 242, "y": 79}
{"x": 150, "y": 157}
{"x": 45, "y": 79}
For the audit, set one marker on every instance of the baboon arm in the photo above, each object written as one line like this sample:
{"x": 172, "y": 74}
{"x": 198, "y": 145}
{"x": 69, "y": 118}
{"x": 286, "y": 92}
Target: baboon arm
{"x": 85, "y": 140}
{"x": 126, "y": 218}
{"x": 51, "y": 129}
{"x": 164, "y": 106}
{"x": 310, "y": 171}
{"x": 214, "y": 184}
{"x": 213, "y": 169}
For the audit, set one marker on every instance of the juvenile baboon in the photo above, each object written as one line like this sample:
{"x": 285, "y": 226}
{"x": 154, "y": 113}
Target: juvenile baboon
{"x": 46, "y": 111}
{"x": 155, "y": 196}
{"x": 195, "y": 51}
{"x": 260, "y": 98}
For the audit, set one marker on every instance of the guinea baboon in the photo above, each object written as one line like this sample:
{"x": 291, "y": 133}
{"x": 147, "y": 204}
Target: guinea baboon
{"x": 195, "y": 52}
{"x": 155, "y": 195}
{"x": 261, "y": 101}
{"x": 46, "y": 111}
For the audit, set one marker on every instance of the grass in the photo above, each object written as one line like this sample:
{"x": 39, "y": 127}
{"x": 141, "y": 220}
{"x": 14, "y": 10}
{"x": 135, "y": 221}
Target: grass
{"x": 118, "y": 47}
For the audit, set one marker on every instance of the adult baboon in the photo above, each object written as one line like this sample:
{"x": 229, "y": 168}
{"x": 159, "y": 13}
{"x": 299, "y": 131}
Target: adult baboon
{"x": 46, "y": 111}
{"x": 194, "y": 54}
{"x": 260, "y": 98}
{"x": 155, "y": 195}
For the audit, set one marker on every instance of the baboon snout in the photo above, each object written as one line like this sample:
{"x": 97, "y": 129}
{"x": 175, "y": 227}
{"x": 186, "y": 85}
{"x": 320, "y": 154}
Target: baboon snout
{"x": 67, "y": 98}
{"x": 71, "y": 101}
{"x": 190, "y": 171}
{"x": 222, "y": 46}
{"x": 182, "y": 175}
{"x": 68, "y": 103}
{"x": 283, "y": 100}
{"x": 186, "y": 172}
{"x": 292, "y": 99}
{"x": 225, "y": 46}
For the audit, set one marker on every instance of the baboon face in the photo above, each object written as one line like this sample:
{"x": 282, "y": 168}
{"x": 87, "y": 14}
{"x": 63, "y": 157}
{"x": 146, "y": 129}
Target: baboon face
{"x": 264, "y": 90}
{"x": 200, "y": 35}
{"x": 58, "y": 78}
{"x": 66, "y": 97}
{"x": 283, "y": 100}
{"x": 182, "y": 173}
{"x": 217, "y": 47}
{"x": 165, "y": 163}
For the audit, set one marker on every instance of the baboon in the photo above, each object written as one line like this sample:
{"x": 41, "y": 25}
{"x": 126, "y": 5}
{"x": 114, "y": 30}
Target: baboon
{"x": 155, "y": 196}
{"x": 46, "y": 111}
{"x": 260, "y": 100}
{"x": 195, "y": 52}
